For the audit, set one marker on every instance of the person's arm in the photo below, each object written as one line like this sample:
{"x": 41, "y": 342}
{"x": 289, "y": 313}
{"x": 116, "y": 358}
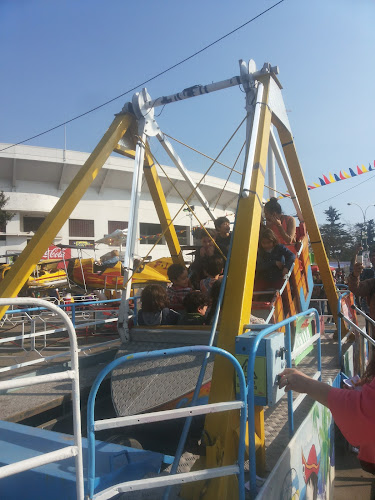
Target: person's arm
{"x": 289, "y": 234}
{"x": 288, "y": 256}
{"x": 352, "y": 410}
{"x": 294, "y": 380}
{"x": 362, "y": 288}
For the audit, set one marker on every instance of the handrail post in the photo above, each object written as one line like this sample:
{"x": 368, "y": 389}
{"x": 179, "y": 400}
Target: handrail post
{"x": 339, "y": 335}
{"x": 288, "y": 342}
{"x": 74, "y": 314}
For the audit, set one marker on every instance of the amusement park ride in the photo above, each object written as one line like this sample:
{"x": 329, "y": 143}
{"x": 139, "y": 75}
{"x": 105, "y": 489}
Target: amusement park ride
{"x": 281, "y": 309}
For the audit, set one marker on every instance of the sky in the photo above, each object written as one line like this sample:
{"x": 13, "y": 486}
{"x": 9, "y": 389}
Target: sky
{"x": 62, "y": 58}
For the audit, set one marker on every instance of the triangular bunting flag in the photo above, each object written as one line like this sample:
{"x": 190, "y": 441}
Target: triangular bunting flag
{"x": 327, "y": 181}
{"x": 322, "y": 183}
{"x": 352, "y": 173}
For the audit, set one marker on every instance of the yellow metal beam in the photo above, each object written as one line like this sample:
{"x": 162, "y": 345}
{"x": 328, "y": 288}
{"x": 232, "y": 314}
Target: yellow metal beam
{"x": 160, "y": 202}
{"x": 45, "y": 235}
{"x": 236, "y": 310}
{"x": 316, "y": 241}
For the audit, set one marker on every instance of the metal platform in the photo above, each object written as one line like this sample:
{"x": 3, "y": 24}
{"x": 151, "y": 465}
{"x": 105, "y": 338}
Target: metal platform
{"x": 151, "y": 384}
{"x": 276, "y": 417}
{"x": 21, "y": 404}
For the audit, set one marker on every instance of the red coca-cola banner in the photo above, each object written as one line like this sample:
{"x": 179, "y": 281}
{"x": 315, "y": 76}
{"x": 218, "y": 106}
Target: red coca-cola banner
{"x": 54, "y": 252}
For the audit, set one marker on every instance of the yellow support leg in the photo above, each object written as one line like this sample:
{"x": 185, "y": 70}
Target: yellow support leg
{"x": 261, "y": 450}
{"x": 236, "y": 313}
{"x": 45, "y": 235}
{"x": 308, "y": 214}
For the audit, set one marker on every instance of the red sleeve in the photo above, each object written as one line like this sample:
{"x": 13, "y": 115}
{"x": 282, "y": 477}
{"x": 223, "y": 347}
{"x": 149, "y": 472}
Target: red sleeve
{"x": 353, "y": 411}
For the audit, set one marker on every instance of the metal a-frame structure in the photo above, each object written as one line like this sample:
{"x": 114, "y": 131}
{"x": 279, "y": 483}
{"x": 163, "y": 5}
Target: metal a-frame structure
{"x": 128, "y": 135}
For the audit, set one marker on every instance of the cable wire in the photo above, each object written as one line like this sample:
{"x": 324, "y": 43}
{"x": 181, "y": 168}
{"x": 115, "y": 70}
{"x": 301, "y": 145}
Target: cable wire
{"x": 149, "y": 79}
{"x": 346, "y": 190}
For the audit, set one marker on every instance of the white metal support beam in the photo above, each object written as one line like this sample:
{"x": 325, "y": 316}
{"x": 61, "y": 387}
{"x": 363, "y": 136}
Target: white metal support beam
{"x": 132, "y": 230}
{"x": 181, "y": 168}
{"x": 271, "y": 172}
{"x": 285, "y": 173}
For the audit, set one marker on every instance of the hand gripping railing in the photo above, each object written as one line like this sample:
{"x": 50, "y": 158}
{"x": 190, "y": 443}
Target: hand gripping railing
{"x": 171, "y": 479}
{"x": 73, "y": 376}
{"x": 250, "y": 381}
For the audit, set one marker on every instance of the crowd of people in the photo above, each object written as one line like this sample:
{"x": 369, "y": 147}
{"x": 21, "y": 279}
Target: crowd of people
{"x": 192, "y": 296}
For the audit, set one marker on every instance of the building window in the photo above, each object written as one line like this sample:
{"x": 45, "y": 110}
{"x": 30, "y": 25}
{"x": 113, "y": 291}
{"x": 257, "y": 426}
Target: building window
{"x": 31, "y": 223}
{"x": 116, "y": 224}
{"x": 182, "y": 234}
{"x": 3, "y": 228}
{"x": 150, "y": 233}
{"x": 82, "y": 228}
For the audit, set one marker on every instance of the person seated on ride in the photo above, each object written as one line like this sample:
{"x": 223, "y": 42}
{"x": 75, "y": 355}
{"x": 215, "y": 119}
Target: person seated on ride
{"x": 214, "y": 267}
{"x": 284, "y": 226}
{"x": 207, "y": 249}
{"x": 178, "y": 275}
{"x": 155, "y": 310}
{"x": 43, "y": 270}
{"x": 222, "y": 226}
{"x": 195, "y": 304}
{"x": 112, "y": 260}
{"x": 273, "y": 262}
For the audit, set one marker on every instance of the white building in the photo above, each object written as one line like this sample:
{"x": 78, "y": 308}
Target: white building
{"x": 33, "y": 178}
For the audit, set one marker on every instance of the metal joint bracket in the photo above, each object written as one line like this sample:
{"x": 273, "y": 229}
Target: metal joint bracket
{"x": 143, "y": 111}
{"x": 247, "y": 192}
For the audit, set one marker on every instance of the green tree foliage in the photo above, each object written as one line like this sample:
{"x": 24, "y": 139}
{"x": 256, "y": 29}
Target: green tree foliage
{"x": 359, "y": 233}
{"x": 338, "y": 241}
{"x": 5, "y": 216}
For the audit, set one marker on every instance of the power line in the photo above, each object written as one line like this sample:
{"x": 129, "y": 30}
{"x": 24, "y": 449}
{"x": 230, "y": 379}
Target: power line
{"x": 149, "y": 80}
{"x": 346, "y": 190}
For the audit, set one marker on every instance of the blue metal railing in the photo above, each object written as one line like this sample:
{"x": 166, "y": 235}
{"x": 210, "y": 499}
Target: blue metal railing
{"x": 158, "y": 354}
{"x": 250, "y": 383}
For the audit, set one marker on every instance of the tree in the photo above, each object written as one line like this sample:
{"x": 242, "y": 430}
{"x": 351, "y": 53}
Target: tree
{"x": 5, "y": 216}
{"x": 337, "y": 240}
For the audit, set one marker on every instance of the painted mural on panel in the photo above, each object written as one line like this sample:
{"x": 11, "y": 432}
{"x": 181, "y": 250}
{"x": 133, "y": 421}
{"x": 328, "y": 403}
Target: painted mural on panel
{"x": 306, "y": 469}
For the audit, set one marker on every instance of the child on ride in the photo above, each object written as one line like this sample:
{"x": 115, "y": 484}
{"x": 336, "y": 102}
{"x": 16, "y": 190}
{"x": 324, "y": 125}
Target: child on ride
{"x": 178, "y": 275}
{"x": 214, "y": 267}
{"x": 273, "y": 262}
{"x": 155, "y": 310}
{"x": 195, "y": 304}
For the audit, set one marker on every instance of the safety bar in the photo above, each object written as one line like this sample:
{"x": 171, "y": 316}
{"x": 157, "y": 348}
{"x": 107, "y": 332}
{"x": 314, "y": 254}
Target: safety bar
{"x": 73, "y": 306}
{"x": 250, "y": 382}
{"x": 172, "y": 479}
{"x": 288, "y": 275}
{"x": 72, "y": 375}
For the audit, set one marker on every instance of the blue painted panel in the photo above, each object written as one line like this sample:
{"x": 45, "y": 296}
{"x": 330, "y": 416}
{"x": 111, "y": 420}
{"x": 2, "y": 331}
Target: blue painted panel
{"x": 56, "y": 481}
